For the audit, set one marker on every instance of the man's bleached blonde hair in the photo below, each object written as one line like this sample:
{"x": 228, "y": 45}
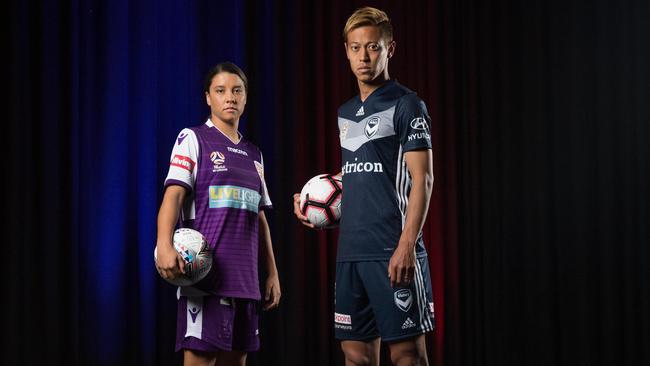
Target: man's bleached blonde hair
{"x": 369, "y": 16}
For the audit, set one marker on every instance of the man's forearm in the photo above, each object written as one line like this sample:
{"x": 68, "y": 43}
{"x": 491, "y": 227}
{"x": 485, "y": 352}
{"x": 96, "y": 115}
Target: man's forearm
{"x": 418, "y": 207}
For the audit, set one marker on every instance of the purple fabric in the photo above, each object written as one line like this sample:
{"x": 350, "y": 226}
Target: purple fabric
{"x": 232, "y": 232}
{"x": 224, "y": 326}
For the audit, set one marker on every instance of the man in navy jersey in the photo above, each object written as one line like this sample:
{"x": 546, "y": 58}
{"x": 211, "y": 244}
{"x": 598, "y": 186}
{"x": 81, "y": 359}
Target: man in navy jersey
{"x": 383, "y": 288}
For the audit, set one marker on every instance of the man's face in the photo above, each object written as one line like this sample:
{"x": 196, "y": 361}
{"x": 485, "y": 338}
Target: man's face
{"x": 226, "y": 97}
{"x": 368, "y": 52}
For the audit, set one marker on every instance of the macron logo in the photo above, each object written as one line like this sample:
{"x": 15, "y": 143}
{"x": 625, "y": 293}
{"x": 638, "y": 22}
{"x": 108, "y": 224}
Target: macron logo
{"x": 237, "y": 151}
{"x": 181, "y": 137}
{"x": 360, "y": 112}
{"x": 194, "y": 312}
{"x": 182, "y": 162}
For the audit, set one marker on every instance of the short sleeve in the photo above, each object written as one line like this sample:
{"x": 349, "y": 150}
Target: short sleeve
{"x": 183, "y": 161}
{"x": 412, "y": 123}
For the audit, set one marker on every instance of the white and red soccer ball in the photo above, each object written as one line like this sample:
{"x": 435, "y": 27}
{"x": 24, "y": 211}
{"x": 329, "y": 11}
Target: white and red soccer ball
{"x": 193, "y": 247}
{"x": 320, "y": 200}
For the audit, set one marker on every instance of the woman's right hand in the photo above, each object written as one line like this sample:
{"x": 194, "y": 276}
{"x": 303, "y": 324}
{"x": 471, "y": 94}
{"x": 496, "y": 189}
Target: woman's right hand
{"x": 299, "y": 215}
{"x": 169, "y": 263}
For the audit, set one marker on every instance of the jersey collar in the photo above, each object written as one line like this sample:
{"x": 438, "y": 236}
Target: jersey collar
{"x": 212, "y": 125}
{"x": 378, "y": 91}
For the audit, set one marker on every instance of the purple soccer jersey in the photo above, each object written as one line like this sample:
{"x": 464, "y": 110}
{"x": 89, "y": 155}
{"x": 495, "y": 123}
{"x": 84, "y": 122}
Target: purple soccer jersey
{"x": 227, "y": 186}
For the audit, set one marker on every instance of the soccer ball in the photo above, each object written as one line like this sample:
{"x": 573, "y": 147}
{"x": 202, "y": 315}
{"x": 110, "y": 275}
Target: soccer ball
{"x": 320, "y": 200}
{"x": 193, "y": 247}
{"x": 188, "y": 243}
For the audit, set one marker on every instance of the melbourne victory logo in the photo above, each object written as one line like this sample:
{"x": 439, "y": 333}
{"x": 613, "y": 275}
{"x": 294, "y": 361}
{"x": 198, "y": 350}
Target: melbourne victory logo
{"x": 403, "y": 299}
{"x": 372, "y": 126}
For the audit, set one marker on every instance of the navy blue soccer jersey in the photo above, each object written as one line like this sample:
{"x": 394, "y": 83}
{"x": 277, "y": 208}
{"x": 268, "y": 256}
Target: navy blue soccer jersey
{"x": 374, "y": 136}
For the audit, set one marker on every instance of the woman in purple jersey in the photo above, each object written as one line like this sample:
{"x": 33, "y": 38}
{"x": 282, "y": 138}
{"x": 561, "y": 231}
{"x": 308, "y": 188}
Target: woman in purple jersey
{"x": 216, "y": 185}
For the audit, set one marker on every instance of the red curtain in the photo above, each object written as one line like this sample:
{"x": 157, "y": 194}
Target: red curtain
{"x": 313, "y": 79}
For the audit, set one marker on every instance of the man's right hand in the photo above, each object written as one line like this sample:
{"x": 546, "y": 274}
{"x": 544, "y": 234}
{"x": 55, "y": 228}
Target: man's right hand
{"x": 299, "y": 215}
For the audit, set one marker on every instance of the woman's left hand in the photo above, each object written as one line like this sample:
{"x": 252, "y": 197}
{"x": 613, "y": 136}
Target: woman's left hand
{"x": 272, "y": 292}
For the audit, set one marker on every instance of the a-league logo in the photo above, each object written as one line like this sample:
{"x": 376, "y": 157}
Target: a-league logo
{"x": 219, "y": 159}
{"x": 403, "y": 299}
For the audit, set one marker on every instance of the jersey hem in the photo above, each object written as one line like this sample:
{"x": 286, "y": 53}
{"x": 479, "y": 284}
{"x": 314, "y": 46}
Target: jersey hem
{"x": 237, "y": 295}
{"x": 418, "y": 255}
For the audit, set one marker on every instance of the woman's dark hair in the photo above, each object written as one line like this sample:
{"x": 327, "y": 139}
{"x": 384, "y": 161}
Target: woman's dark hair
{"x": 224, "y": 67}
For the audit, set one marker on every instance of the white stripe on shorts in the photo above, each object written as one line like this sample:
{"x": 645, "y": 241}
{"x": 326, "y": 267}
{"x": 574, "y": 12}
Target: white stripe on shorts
{"x": 194, "y": 317}
{"x": 421, "y": 295}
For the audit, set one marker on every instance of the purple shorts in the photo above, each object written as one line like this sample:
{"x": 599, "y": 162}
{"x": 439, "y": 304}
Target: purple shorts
{"x": 215, "y": 323}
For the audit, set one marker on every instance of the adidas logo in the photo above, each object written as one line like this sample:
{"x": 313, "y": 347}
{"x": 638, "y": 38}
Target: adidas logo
{"x": 360, "y": 112}
{"x": 408, "y": 323}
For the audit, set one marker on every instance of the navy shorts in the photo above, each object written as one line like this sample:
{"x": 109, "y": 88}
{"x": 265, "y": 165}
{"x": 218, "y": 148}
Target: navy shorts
{"x": 366, "y": 307}
{"x": 214, "y": 323}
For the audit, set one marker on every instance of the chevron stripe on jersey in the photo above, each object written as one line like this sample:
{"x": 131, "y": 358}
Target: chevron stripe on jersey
{"x": 373, "y": 127}
{"x": 376, "y": 181}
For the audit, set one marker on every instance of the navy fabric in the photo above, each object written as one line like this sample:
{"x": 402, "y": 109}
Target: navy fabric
{"x": 374, "y": 136}
{"x": 367, "y": 307}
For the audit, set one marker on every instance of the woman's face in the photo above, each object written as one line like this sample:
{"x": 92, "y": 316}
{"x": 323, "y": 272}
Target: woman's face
{"x": 226, "y": 97}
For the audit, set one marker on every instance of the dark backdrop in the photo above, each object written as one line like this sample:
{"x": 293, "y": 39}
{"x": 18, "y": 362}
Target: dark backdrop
{"x": 537, "y": 232}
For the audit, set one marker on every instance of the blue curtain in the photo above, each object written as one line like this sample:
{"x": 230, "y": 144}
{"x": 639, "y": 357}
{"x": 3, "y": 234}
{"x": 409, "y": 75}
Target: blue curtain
{"x": 100, "y": 90}
{"x": 139, "y": 68}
